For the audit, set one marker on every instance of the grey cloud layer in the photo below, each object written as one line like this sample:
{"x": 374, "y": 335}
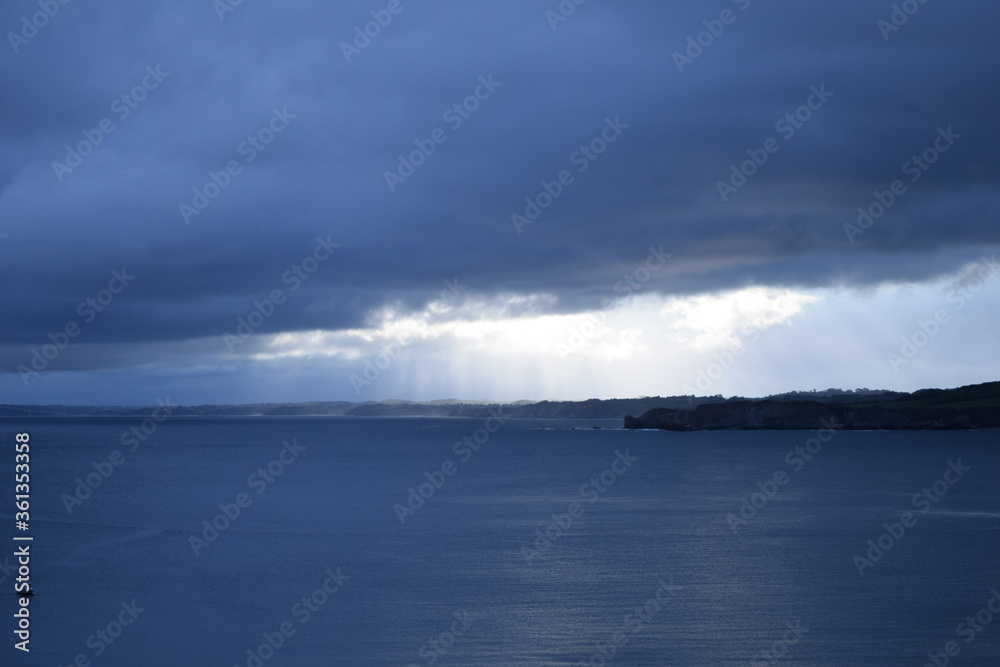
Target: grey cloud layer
{"x": 324, "y": 174}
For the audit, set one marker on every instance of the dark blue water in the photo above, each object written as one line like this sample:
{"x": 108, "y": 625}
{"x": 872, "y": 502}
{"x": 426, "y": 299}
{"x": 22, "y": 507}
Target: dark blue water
{"x": 468, "y": 569}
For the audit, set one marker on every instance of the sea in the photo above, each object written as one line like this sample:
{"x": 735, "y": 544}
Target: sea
{"x": 459, "y": 542}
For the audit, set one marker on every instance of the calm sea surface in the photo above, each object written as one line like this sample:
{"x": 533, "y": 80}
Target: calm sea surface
{"x": 646, "y": 561}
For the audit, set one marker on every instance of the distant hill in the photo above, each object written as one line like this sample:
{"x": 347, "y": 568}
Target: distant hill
{"x": 966, "y": 407}
{"x": 615, "y": 408}
{"x": 976, "y": 406}
{"x": 251, "y": 410}
{"x": 590, "y": 409}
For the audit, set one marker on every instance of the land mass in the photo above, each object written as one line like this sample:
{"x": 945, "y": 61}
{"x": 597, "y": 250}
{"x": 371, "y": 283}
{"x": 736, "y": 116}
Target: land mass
{"x": 971, "y": 407}
{"x": 590, "y": 409}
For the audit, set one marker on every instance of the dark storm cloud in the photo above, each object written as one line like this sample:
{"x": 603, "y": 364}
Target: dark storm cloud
{"x": 323, "y": 175}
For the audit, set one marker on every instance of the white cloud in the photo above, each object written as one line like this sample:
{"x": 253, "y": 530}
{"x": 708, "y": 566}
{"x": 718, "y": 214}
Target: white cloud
{"x": 512, "y": 347}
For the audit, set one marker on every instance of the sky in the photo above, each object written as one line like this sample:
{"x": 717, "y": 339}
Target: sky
{"x": 212, "y": 202}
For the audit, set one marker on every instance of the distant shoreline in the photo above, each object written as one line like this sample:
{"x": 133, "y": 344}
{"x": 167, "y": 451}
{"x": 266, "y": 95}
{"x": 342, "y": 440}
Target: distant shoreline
{"x": 971, "y": 407}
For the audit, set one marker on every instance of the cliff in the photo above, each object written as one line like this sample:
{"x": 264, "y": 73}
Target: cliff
{"x": 970, "y": 407}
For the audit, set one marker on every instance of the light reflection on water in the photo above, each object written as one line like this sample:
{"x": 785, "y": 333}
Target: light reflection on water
{"x": 464, "y": 549}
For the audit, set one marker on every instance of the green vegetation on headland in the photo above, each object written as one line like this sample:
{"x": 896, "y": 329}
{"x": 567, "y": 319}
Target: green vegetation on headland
{"x": 976, "y": 406}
